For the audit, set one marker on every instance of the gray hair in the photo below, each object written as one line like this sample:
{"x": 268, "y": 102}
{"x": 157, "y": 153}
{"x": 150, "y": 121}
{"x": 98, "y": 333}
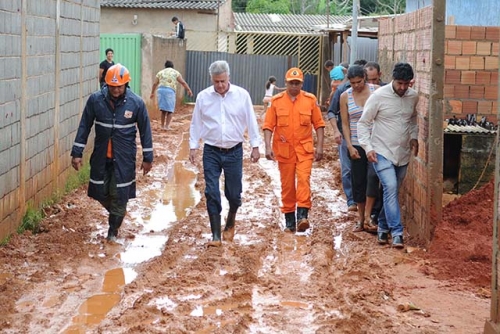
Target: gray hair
{"x": 219, "y": 67}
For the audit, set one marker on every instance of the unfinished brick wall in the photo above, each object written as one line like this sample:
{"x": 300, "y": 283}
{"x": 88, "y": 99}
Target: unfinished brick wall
{"x": 408, "y": 38}
{"x": 471, "y": 72}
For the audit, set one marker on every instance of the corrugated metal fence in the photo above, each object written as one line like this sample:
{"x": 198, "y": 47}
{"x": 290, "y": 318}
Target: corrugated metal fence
{"x": 248, "y": 71}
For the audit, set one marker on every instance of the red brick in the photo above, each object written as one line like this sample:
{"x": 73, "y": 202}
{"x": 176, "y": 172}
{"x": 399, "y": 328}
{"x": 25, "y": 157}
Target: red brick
{"x": 484, "y": 107}
{"x": 456, "y": 106}
{"x": 493, "y": 33}
{"x": 463, "y": 32}
{"x": 494, "y": 78}
{"x": 468, "y": 78}
{"x": 483, "y": 78}
{"x": 454, "y": 47}
{"x": 491, "y": 92}
{"x": 453, "y": 77}
{"x": 477, "y": 63}
{"x": 462, "y": 63}
{"x": 461, "y": 91}
{"x": 449, "y": 62}
{"x": 469, "y": 107}
{"x": 484, "y": 48}
{"x": 449, "y": 91}
{"x": 491, "y": 63}
{"x": 477, "y": 92}
{"x": 494, "y": 49}
{"x": 494, "y": 107}
{"x": 450, "y": 32}
{"x": 469, "y": 48}
{"x": 477, "y": 33}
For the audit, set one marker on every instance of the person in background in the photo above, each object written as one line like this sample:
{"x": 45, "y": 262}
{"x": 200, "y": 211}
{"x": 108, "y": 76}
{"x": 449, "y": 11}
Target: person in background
{"x": 104, "y": 66}
{"x": 388, "y": 132}
{"x": 351, "y": 109}
{"x": 117, "y": 113}
{"x": 336, "y": 121}
{"x": 222, "y": 114}
{"x": 289, "y": 123}
{"x": 166, "y": 82}
{"x": 179, "y": 28}
{"x": 374, "y": 193}
{"x": 270, "y": 87}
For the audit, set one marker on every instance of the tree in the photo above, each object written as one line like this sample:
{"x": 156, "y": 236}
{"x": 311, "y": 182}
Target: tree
{"x": 239, "y": 6}
{"x": 268, "y": 6}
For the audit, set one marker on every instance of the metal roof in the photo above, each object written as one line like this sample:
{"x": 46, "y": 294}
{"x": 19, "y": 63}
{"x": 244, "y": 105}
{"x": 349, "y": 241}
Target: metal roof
{"x": 162, "y": 4}
{"x": 291, "y": 23}
{"x": 470, "y": 129}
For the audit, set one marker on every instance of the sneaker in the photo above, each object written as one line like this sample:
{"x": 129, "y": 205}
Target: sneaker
{"x": 397, "y": 241}
{"x": 352, "y": 207}
{"x": 382, "y": 238}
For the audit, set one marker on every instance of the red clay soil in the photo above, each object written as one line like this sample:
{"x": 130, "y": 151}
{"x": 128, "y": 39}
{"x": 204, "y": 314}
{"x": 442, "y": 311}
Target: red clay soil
{"x": 462, "y": 246}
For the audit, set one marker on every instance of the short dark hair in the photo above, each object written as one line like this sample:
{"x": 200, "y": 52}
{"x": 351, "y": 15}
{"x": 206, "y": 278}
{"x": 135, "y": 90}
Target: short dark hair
{"x": 402, "y": 71}
{"x": 169, "y": 63}
{"x": 328, "y": 63}
{"x": 175, "y": 19}
{"x": 108, "y": 50}
{"x": 361, "y": 62}
{"x": 355, "y": 71}
{"x": 373, "y": 64}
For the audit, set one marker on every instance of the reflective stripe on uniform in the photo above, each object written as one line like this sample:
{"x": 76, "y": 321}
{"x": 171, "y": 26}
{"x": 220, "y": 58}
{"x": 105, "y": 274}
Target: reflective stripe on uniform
{"x": 107, "y": 125}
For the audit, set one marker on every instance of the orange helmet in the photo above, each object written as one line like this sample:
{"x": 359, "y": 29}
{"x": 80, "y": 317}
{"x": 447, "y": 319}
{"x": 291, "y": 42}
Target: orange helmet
{"x": 117, "y": 75}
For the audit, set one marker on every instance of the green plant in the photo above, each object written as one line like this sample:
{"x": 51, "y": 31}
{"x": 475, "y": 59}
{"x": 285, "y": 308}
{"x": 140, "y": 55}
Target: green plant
{"x": 31, "y": 220}
{"x": 5, "y": 240}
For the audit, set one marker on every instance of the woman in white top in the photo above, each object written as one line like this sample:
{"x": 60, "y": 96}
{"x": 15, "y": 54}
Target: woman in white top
{"x": 270, "y": 87}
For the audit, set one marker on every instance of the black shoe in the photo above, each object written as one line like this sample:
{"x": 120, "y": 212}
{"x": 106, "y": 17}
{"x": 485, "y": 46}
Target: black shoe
{"x": 382, "y": 238}
{"x": 290, "y": 222}
{"x": 397, "y": 241}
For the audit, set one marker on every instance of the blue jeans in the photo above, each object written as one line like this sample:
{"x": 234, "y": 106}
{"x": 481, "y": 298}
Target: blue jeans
{"x": 391, "y": 177}
{"x": 216, "y": 160}
{"x": 345, "y": 170}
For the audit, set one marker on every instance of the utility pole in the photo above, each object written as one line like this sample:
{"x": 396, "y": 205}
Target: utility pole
{"x": 354, "y": 32}
{"x": 328, "y": 15}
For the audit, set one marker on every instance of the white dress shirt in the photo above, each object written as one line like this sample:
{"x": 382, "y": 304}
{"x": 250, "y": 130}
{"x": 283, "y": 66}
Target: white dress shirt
{"x": 394, "y": 120}
{"x": 222, "y": 120}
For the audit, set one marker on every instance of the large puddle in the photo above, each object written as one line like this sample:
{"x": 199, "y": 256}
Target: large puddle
{"x": 163, "y": 203}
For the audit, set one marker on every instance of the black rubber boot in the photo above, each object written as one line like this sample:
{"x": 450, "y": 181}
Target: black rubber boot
{"x": 215, "y": 227}
{"x": 302, "y": 221}
{"x": 114, "y": 224}
{"x": 228, "y": 233}
{"x": 290, "y": 222}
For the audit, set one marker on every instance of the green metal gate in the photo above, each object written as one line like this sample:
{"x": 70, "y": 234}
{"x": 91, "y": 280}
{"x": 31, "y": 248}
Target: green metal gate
{"x": 127, "y": 51}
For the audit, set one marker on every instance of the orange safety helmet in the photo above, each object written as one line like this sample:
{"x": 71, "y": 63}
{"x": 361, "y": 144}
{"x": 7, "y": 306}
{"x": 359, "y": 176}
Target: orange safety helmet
{"x": 117, "y": 75}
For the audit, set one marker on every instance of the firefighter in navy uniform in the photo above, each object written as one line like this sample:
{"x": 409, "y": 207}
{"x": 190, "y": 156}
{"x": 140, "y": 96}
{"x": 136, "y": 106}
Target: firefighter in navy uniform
{"x": 117, "y": 113}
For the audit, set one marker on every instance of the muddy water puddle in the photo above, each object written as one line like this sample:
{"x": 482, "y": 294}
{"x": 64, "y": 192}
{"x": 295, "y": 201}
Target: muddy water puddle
{"x": 168, "y": 198}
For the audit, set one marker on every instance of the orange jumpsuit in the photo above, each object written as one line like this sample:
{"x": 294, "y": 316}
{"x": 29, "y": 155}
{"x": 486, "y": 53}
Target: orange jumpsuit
{"x": 291, "y": 123}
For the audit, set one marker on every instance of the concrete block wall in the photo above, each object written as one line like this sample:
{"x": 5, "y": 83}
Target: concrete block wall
{"x": 408, "y": 38}
{"x": 49, "y": 56}
{"x": 471, "y": 72}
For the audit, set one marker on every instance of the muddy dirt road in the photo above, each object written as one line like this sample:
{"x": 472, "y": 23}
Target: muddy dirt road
{"x": 161, "y": 278}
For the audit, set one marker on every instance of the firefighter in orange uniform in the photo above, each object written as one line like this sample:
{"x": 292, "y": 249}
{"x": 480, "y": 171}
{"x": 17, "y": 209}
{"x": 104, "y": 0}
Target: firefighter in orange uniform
{"x": 289, "y": 122}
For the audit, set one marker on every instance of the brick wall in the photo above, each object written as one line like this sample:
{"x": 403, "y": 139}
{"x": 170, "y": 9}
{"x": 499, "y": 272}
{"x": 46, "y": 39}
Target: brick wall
{"x": 408, "y": 38}
{"x": 471, "y": 72}
{"x": 49, "y": 68}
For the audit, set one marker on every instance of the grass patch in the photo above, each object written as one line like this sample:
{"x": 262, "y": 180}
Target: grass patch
{"x": 33, "y": 216}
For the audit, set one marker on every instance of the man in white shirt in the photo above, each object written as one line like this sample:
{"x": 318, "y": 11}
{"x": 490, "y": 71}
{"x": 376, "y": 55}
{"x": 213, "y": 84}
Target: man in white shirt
{"x": 222, "y": 114}
{"x": 391, "y": 110}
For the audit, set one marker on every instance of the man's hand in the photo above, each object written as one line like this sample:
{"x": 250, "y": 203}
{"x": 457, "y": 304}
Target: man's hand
{"x": 269, "y": 153}
{"x": 146, "y": 167}
{"x": 76, "y": 163}
{"x": 414, "y": 146}
{"x": 192, "y": 155}
{"x": 337, "y": 137}
{"x": 372, "y": 156}
{"x": 318, "y": 155}
{"x": 255, "y": 155}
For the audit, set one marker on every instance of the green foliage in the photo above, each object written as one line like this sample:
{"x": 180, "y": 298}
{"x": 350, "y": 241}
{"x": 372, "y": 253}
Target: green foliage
{"x": 268, "y": 6}
{"x": 239, "y": 6}
{"x": 31, "y": 220}
{"x": 5, "y": 240}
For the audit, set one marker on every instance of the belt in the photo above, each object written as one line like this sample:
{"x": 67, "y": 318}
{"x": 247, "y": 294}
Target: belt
{"x": 225, "y": 150}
